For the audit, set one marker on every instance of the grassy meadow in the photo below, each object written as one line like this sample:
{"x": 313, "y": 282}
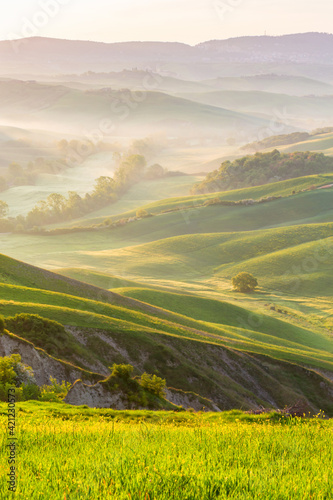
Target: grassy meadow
{"x": 76, "y": 453}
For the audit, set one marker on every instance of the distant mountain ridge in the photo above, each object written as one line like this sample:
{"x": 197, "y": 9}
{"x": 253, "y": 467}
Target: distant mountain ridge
{"x": 48, "y": 55}
{"x": 301, "y": 48}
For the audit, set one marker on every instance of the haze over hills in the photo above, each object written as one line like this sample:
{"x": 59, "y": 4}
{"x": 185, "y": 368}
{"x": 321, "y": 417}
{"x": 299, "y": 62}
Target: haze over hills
{"x": 27, "y": 102}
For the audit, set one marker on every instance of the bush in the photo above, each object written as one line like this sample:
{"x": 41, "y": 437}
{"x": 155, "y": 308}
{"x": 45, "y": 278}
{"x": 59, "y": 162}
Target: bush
{"x": 4, "y": 392}
{"x": 8, "y": 364}
{"x": 153, "y": 384}
{"x": 212, "y": 201}
{"x": 122, "y": 371}
{"x": 54, "y": 392}
{"x": 141, "y": 212}
{"x": 34, "y": 325}
{"x": 15, "y": 373}
{"x": 43, "y": 332}
{"x": 244, "y": 282}
{"x": 30, "y": 392}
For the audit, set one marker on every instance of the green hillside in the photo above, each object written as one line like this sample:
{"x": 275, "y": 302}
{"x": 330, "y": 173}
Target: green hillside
{"x": 158, "y": 322}
{"x": 322, "y": 143}
{"x": 125, "y": 314}
{"x": 305, "y": 269}
{"x": 305, "y": 249}
{"x": 99, "y": 279}
{"x": 163, "y": 190}
{"x": 316, "y": 142}
{"x": 156, "y": 292}
{"x": 104, "y": 249}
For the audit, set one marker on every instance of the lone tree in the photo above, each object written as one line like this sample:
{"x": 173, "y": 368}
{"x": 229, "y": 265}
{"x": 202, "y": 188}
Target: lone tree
{"x": 244, "y": 282}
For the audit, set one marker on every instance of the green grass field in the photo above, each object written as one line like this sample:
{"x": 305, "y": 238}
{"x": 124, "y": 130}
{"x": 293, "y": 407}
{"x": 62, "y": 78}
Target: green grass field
{"x": 168, "y": 455}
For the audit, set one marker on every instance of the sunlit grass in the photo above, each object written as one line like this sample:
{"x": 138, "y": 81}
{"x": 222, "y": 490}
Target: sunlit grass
{"x": 102, "y": 454}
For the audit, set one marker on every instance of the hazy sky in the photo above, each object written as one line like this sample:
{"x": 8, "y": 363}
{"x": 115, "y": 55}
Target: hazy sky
{"x": 189, "y": 21}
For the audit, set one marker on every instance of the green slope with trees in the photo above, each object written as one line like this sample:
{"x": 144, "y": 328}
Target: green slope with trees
{"x": 263, "y": 168}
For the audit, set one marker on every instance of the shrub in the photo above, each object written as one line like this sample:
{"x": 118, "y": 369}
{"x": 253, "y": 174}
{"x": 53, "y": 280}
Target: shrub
{"x": 212, "y": 201}
{"x": 7, "y": 369}
{"x": 122, "y": 371}
{"x": 34, "y": 325}
{"x": 43, "y": 332}
{"x": 54, "y": 392}
{"x": 141, "y": 212}
{"x": 15, "y": 373}
{"x": 30, "y": 392}
{"x": 4, "y": 392}
{"x": 153, "y": 384}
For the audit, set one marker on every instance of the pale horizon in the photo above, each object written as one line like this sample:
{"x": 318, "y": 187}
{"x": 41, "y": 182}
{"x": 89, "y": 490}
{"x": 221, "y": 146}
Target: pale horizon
{"x": 168, "y": 41}
{"x": 184, "y": 21}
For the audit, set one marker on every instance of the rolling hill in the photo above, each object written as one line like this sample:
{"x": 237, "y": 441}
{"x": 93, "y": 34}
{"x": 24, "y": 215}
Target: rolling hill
{"x": 296, "y": 111}
{"x": 59, "y": 106}
{"x": 96, "y": 249}
{"x": 288, "y": 84}
{"x": 240, "y": 364}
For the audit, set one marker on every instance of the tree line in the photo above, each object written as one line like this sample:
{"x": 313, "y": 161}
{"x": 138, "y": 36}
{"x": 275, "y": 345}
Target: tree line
{"x": 106, "y": 190}
{"x": 16, "y": 175}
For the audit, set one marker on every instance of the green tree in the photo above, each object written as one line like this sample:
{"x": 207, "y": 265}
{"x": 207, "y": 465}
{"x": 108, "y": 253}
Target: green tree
{"x": 75, "y": 205}
{"x": 244, "y": 282}
{"x": 56, "y": 203}
{"x": 104, "y": 189}
{"x": 39, "y": 215}
{"x": 3, "y": 209}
